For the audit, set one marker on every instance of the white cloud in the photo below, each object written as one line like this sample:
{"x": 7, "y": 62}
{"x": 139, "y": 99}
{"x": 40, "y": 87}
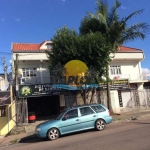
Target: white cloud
{"x": 123, "y": 7}
{"x": 146, "y": 72}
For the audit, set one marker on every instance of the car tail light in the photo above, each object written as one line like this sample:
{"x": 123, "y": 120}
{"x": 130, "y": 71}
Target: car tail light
{"x": 109, "y": 113}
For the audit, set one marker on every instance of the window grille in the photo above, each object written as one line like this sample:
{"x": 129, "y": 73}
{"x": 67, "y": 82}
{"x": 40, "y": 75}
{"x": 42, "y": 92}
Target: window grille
{"x": 29, "y": 72}
{"x": 114, "y": 70}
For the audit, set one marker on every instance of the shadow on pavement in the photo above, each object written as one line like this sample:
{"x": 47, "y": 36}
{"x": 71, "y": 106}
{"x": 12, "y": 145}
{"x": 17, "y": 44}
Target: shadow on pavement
{"x": 34, "y": 139}
{"x": 30, "y": 139}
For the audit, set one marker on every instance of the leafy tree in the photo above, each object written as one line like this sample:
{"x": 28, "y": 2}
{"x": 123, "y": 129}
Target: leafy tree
{"x": 116, "y": 29}
{"x": 92, "y": 49}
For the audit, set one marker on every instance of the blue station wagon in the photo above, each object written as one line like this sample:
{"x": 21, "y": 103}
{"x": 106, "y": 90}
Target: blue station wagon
{"x": 75, "y": 119}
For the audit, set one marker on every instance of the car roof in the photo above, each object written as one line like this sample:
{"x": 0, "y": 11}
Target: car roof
{"x": 84, "y": 105}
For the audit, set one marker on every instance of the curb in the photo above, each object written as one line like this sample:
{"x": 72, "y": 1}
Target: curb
{"x": 130, "y": 118}
{"x": 23, "y": 139}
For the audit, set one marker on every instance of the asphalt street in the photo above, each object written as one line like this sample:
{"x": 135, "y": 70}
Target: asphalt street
{"x": 129, "y": 135}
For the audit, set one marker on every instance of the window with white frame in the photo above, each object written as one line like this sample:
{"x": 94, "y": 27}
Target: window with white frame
{"x": 115, "y": 70}
{"x": 29, "y": 72}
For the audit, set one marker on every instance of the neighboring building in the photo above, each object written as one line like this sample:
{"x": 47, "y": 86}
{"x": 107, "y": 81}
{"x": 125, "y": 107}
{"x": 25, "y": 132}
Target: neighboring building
{"x": 31, "y": 68}
{"x": 7, "y": 107}
{"x": 2, "y": 80}
{"x": 127, "y": 92}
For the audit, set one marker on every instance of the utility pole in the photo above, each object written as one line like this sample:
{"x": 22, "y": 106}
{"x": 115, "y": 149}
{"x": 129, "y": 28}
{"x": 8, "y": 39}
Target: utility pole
{"x": 5, "y": 70}
{"x": 16, "y": 72}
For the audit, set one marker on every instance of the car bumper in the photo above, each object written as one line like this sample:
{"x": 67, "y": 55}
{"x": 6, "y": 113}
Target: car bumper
{"x": 108, "y": 119}
{"x": 40, "y": 134}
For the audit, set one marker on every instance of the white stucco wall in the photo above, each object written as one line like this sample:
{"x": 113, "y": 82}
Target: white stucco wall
{"x": 30, "y": 56}
{"x": 129, "y": 70}
{"x": 43, "y": 75}
{"x": 128, "y": 56}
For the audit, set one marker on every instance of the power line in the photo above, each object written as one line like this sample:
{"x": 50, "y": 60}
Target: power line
{"x": 6, "y": 53}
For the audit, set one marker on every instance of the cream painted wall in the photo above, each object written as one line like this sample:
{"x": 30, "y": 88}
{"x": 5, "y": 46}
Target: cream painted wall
{"x": 30, "y": 56}
{"x": 129, "y": 56}
{"x": 129, "y": 70}
{"x": 43, "y": 75}
{"x": 8, "y": 122}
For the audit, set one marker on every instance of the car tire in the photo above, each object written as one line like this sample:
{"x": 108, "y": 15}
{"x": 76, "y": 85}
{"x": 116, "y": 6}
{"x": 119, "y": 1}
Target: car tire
{"x": 100, "y": 125}
{"x": 53, "y": 134}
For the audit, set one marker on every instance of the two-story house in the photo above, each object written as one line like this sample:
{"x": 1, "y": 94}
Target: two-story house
{"x": 32, "y": 76}
{"x": 127, "y": 93}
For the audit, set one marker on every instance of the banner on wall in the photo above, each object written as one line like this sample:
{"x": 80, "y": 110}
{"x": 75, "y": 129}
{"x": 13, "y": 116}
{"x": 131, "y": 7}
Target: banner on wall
{"x": 116, "y": 85}
{"x": 5, "y": 98}
{"x": 48, "y": 89}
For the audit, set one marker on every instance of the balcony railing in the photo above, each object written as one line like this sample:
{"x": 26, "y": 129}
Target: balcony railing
{"x": 54, "y": 79}
{"x": 130, "y": 77}
{"x": 39, "y": 80}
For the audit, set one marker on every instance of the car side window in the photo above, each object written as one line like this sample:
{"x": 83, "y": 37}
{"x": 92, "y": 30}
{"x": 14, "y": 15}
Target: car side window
{"x": 98, "y": 108}
{"x": 86, "y": 111}
{"x": 71, "y": 114}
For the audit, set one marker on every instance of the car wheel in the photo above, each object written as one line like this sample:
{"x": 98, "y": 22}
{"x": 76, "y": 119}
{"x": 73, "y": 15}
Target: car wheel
{"x": 53, "y": 134}
{"x": 100, "y": 125}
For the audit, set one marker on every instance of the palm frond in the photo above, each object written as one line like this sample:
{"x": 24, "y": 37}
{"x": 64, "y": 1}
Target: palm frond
{"x": 131, "y": 36}
{"x": 58, "y": 70}
{"x": 113, "y": 15}
{"x": 138, "y": 12}
{"x": 137, "y": 31}
{"x": 102, "y": 7}
{"x": 90, "y": 15}
{"x": 101, "y": 18}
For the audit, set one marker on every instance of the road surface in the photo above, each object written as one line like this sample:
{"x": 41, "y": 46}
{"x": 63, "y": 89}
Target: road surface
{"x": 129, "y": 135}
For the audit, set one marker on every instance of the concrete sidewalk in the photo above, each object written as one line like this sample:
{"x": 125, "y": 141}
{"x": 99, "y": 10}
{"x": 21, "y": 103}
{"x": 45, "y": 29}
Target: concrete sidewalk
{"x": 28, "y": 134}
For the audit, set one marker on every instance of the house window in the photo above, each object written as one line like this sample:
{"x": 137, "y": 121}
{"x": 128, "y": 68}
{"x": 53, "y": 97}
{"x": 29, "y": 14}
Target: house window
{"x": 29, "y": 72}
{"x": 115, "y": 70}
{"x": 3, "y": 111}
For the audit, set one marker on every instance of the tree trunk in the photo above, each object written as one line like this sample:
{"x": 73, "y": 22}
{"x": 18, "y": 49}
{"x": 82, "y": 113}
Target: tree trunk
{"x": 108, "y": 92}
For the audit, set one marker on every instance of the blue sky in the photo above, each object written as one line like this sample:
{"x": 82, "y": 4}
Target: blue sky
{"x": 33, "y": 21}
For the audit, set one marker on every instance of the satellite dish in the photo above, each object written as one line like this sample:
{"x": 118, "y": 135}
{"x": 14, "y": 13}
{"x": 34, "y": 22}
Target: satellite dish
{"x": 5, "y": 87}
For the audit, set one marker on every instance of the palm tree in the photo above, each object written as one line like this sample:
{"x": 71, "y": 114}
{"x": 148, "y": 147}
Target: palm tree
{"x": 114, "y": 28}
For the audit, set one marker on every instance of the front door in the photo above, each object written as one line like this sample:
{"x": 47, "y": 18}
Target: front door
{"x": 71, "y": 123}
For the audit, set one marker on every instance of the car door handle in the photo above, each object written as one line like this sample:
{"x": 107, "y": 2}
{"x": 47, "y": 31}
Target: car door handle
{"x": 78, "y": 120}
{"x": 94, "y": 116}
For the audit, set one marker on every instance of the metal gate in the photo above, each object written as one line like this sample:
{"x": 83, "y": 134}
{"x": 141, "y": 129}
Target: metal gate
{"x": 141, "y": 98}
{"x": 21, "y": 111}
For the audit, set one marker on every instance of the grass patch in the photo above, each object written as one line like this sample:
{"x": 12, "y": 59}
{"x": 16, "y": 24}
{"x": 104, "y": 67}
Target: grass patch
{"x": 14, "y": 141}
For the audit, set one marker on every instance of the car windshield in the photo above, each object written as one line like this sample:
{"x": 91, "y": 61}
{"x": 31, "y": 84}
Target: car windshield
{"x": 60, "y": 115}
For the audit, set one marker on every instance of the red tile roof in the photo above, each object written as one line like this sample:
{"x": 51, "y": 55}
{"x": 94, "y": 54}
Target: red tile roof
{"x": 23, "y": 47}
{"x": 34, "y": 47}
{"x": 128, "y": 49}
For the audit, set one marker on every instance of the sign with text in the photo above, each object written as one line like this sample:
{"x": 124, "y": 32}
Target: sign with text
{"x": 116, "y": 85}
{"x": 37, "y": 89}
{"x": 48, "y": 89}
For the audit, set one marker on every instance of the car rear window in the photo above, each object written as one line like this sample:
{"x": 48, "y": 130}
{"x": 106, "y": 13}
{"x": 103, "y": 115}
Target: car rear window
{"x": 98, "y": 108}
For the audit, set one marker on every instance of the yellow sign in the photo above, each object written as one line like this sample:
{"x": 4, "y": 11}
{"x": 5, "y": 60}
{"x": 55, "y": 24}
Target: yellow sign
{"x": 76, "y": 72}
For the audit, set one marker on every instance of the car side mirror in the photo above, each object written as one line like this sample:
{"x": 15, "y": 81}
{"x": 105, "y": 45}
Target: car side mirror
{"x": 64, "y": 118}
